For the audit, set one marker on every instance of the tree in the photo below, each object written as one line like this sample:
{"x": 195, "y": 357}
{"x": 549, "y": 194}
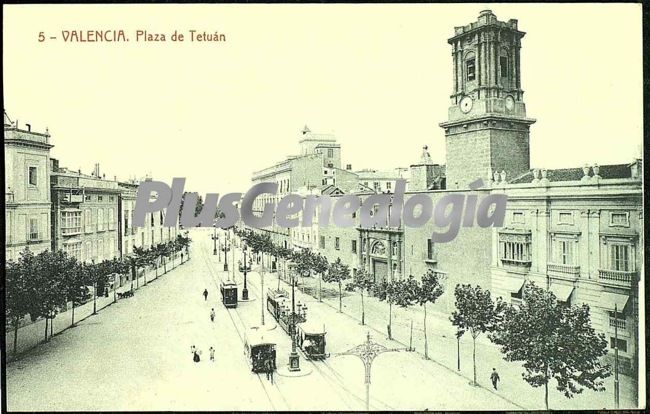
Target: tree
{"x": 554, "y": 341}
{"x": 320, "y": 265}
{"x": 337, "y": 273}
{"x": 304, "y": 260}
{"x": 428, "y": 290}
{"x": 76, "y": 288}
{"x": 475, "y": 312}
{"x": 362, "y": 281}
{"x": 394, "y": 293}
{"x": 16, "y": 293}
{"x": 48, "y": 285}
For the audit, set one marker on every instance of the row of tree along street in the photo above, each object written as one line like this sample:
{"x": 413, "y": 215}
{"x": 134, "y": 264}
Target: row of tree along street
{"x": 552, "y": 340}
{"x": 42, "y": 285}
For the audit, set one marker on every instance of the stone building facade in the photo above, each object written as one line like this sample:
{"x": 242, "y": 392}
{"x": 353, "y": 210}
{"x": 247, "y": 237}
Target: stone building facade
{"x": 577, "y": 231}
{"x": 151, "y": 234}
{"x": 27, "y": 189}
{"x": 84, "y": 214}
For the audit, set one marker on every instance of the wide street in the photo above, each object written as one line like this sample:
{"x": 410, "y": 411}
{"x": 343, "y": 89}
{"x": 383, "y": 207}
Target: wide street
{"x": 136, "y": 355}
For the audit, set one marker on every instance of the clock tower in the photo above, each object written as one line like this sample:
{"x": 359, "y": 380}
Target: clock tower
{"x": 487, "y": 130}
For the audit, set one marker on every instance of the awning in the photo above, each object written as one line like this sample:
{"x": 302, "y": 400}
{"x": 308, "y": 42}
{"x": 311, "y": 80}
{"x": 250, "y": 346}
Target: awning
{"x": 562, "y": 292}
{"x": 609, "y": 299}
{"x": 513, "y": 285}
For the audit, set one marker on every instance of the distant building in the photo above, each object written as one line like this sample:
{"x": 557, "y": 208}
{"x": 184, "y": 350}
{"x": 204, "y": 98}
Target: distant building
{"x": 151, "y": 234}
{"x": 27, "y": 189}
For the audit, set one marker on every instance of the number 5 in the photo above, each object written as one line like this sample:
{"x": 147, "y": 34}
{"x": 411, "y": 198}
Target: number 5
{"x": 41, "y": 37}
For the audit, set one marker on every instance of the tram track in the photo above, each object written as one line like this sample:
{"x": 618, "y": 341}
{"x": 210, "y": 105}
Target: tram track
{"x": 330, "y": 374}
{"x": 353, "y": 401}
{"x": 240, "y": 333}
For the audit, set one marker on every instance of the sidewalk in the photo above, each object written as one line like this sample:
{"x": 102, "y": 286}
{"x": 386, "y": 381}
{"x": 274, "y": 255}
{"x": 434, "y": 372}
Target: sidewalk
{"x": 33, "y": 334}
{"x": 443, "y": 351}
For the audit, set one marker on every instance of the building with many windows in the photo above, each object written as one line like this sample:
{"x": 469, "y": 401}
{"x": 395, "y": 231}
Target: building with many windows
{"x": 151, "y": 234}
{"x": 84, "y": 214}
{"x": 27, "y": 189}
{"x": 576, "y": 231}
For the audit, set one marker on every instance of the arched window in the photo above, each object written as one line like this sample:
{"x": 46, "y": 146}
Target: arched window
{"x": 470, "y": 66}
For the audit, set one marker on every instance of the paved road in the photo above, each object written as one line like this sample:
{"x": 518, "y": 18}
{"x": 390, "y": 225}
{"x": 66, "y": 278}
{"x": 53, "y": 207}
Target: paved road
{"x": 135, "y": 355}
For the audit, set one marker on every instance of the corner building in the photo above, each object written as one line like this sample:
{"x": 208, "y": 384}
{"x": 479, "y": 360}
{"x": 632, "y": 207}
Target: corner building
{"x": 575, "y": 231}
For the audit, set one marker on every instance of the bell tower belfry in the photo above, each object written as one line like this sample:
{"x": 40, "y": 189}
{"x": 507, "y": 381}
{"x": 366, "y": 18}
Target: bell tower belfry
{"x": 487, "y": 129}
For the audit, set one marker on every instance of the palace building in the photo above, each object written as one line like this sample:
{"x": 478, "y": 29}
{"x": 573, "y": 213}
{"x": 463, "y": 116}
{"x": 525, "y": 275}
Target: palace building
{"x": 575, "y": 231}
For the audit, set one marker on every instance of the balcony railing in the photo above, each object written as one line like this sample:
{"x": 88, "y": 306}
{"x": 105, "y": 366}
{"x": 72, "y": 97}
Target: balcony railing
{"x": 616, "y": 276}
{"x": 563, "y": 269}
{"x": 516, "y": 262}
{"x": 616, "y": 322}
{"x": 70, "y": 231}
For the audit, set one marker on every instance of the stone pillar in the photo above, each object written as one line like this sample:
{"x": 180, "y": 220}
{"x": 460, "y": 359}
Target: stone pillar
{"x": 594, "y": 244}
{"x": 583, "y": 249}
{"x": 389, "y": 255}
{"x": 360, "y": 250}
{"x": 534, "y": 224}
{"x": 541, "y": 247}
{"x": 368, "y": 267}
{"x": 398, "y": 274}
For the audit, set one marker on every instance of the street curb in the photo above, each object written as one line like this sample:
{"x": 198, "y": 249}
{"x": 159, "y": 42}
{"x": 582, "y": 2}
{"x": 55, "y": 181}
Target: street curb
{"x": 382, "y": 334}
{"x": 284, "y": 372}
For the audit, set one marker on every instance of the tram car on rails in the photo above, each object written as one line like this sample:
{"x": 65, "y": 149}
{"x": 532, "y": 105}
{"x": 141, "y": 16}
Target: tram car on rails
{"x": 228, "y": 290}
{"x": 278, "y": 303}
{"x": 259, "y": 350}
{"x": 311, "y": 339}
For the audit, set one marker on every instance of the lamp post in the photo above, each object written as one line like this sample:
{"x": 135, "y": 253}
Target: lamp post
{"x": 244, "y": 292}
{"x": 218, "y": 249}
{"x": 294, "y": 358}
{"x": 367, "y": 352}
{"x": 214, "y": 239}
{"x": 226, "y": 249}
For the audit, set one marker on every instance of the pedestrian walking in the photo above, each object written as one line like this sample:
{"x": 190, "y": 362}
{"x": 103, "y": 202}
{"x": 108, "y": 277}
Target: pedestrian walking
{"x": 205, "y": 294}
{"x": 212, "y": 354}
{"x": 181, "y": 258}
{"x": 193, "y": 351}
{"x": 268, "y": 365}
{"x": 495, "y": 378}
{"x": 197, "y": 357}
{"x": 212, "y": 315}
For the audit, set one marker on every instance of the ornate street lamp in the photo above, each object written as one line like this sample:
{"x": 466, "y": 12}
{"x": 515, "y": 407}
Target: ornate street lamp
{"x": 226, "y": 249}
{"x": 367, "y": 352}
{"x": 214, "y": 239}
{"x": 244, "y": 292}
{"x": 294, "y": 358}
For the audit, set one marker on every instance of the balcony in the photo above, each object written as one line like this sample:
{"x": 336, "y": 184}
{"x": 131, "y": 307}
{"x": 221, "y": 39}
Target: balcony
{"x": 516, "y": 262}
{"x": 616, "y": 323}
{"x": 70, "y": 231}
{"x": 562, "y": 270}
{"x": 616, "y": 277}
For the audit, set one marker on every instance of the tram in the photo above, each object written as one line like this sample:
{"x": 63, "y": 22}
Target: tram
{"x": 228, "y": 290}
{"x": 259, "y": 350}
{"x": 311, "y": 339}
{"x": 278, "y": 303}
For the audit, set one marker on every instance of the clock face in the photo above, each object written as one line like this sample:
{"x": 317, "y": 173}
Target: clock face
{"x": 510, "y": 103}
{"x": 466, "y": 104}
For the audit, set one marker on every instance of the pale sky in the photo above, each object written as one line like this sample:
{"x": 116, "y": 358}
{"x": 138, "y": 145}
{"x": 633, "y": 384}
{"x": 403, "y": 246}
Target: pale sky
{"x": 377, "y": 76}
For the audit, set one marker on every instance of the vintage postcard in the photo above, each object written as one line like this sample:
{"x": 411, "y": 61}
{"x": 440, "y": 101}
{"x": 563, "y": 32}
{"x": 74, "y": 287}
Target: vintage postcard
{"x": 332, "y": 207}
